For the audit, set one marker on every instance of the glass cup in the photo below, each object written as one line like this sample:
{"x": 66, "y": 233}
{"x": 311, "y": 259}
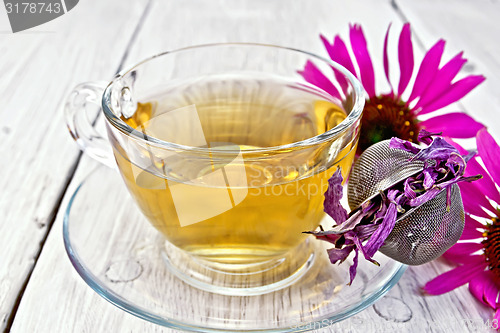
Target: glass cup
{"x": 227, "y": 151}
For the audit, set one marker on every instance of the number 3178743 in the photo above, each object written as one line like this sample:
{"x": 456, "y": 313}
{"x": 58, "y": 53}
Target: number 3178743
{"x": 33, "y": 7}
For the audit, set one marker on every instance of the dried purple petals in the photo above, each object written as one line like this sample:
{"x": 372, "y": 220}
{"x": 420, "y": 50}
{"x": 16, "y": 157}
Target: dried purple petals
{"x": 333, "y": 195}
{"x": 366, "y": 228}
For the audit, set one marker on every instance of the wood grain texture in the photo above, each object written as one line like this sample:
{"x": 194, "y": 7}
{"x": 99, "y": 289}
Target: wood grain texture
{"x": 297, "y": 24}
{"x": 37, "y": 155}
{"x": 173, "y": 24}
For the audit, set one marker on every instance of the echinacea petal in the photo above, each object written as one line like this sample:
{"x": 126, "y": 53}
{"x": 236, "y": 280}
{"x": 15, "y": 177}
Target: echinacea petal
{"x": 473, "y": 229}
{"x": 492, "y": 290}
{"x": 405, "y": 56}
{"x": 476, "y": 288}
{"x": 379, "y": 236}
{"x": 340, "y": 55}
{"x": 455, "y": 125}
{"x": 441, "y": 81}
{"x": 438, "y": 149}
{"x": 333, "y": 196}
{"x": 461, "y": 258}
{"x": 428, "y": 69}
{"x": 454, "y": 278}
{"x": 360, "y": 50}
{"x": 485, "y": 184}
{"x": 352, "y": 269}
{"x": 397, "y": 143}
{"x": 425, "y": 136}
{"x": 489, "y": 151}
{"x": 497, "y": 316}
{"x": 313, "y": 75}
{"x": 339, "y": 255}
{"x": 485, "y": 288}
{"x": 408, "y": 190}
{"x": 338, "y": 52}
{"x": 386, "y": 59}
{"x": 429, "y": 178}
{"x": 331, "y": 238}
{"x": 361, "y": 248}
{"x": 471, "y": 222}
{"x": 474, "y": 200}
{"x": 457, "y": 90}
{"x": 465, "y": 248}
{"x": 471, "y": 233}
{"x": 342, "y": 228}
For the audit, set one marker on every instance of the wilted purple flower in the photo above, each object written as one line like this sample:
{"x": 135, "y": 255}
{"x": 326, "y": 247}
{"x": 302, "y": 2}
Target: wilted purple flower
{"x": 366, "y": 228}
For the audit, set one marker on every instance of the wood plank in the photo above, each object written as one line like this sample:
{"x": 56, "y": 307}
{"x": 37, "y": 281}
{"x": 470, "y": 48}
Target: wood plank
{"x": 38, "y": 157}
{"x": 295, "y": 24}
{"x": 176, "y": 24}
{"x": 185, "y": 24}
{"x": 80, "y": 309}
{"x": 55, "y": 281}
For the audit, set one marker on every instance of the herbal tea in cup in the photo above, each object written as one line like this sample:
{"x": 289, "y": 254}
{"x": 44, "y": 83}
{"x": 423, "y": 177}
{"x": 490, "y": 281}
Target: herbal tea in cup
{"x": 227, "y": 151}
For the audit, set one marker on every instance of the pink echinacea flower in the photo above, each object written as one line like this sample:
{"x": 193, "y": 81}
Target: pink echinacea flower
{"x": 478, "y": 251}
{"x": 389, "y": 115}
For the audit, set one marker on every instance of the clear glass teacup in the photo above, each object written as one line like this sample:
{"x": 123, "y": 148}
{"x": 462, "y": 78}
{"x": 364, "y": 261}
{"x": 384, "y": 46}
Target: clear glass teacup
{"x": 227, "y": 151}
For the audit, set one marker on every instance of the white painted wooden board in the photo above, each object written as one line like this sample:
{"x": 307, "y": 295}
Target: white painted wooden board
{"x": 472, "y": 27}
{"x": 37, "y": 155}
{"x": 170, "y": 25}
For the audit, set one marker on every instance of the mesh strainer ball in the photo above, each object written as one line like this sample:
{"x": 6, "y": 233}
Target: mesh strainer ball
{"x": 422, "y": 233}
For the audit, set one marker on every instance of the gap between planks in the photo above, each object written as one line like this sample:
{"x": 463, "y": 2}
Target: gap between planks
{"x": 69, "y": 177}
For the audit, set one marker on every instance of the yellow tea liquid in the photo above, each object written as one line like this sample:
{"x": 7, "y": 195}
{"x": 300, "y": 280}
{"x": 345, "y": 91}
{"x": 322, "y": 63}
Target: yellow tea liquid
{"x": 247, "y": 207}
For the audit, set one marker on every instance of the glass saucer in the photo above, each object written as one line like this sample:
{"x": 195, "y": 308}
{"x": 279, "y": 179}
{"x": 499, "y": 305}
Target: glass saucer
{"x": 119, "y": 255}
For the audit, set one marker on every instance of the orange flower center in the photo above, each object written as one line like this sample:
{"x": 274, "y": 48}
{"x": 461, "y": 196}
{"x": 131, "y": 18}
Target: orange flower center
{"x": 385, "y": 117}
{"x": 492, "y": 246}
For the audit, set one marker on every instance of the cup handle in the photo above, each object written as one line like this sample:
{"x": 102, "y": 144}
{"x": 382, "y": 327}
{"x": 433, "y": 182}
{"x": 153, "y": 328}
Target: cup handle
{"x": 82, "y": 108}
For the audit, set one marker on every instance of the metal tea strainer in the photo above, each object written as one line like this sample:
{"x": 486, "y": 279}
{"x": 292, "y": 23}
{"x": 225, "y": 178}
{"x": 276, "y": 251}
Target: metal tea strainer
{"x": 421, "y": 234}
